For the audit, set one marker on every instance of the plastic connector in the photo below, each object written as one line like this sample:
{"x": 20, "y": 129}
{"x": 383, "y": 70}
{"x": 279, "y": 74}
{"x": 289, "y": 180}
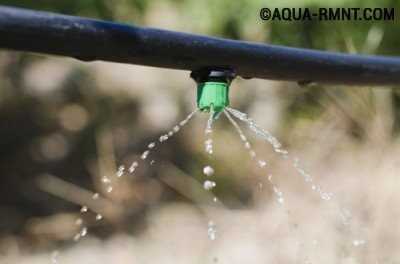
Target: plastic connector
{"x": 213, "y": 88}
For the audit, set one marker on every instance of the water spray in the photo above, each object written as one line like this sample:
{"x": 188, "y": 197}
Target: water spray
{"x": 213, "y": 89}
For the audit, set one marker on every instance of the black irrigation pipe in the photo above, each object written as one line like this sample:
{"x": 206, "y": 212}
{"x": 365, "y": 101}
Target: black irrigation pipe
{"x": 89, "y": 40}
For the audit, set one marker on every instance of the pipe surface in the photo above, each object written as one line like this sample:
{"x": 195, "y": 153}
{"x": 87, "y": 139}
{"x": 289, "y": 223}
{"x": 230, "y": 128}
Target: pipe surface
{"x": 90, "y": 40}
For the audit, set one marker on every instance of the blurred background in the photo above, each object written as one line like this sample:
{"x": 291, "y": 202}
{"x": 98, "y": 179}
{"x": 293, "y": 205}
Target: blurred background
{"x": 65, "y": 124}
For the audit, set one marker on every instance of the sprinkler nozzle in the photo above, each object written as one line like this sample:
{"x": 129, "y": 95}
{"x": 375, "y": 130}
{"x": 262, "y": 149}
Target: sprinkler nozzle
{"x": 213, "y": 89}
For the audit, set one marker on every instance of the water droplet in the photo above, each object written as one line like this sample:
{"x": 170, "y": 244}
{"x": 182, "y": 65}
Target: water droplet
{"x": 208, "y": 170}
{"x": 78, "y": 221}
{"x": 152, "y": 162}
{"x": 359, "y": 242}
{"x": 260, "y": 185}
{"x": 84, "y": 209}
{"x": 95, "y": 196}
{"x": 252, "y": 154}
{"x": 282, "y": 151}
{"x": 212, "y": 230}
{"x": 77, "y": 237}
{"x": 258, "y": 130}
{"x": 145, "y": 154}
{"x": 247, "y": 145}
{"x": 281, "y": 200}
{"x": 151, "y": 145}
{"x": 262, "y": 163}
{"x": 170, "y": 133}
{"x": 109, "y": 189}
{"x": 163, "y": 138}
{"x": 209, "y": 123}
{"x": 209, "y": 146}
{"x": 215, "y": 199}
{"x": 105, "y": 179}
{"x": 99, "y": 217}
{"x": 208, "y": 185}
{"x": 120, "y": 171}
{"x": 270, "y": 177}
{"x": 83, "y": 232}
{"x": 326, "y": 196}
{"x": 133, "y": 166}
{"x": 176, "y": 129}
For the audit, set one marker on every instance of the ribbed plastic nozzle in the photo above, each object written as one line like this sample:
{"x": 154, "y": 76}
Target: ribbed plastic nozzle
{"x": 212, "y": 94}
{"x": 213, "y": 89}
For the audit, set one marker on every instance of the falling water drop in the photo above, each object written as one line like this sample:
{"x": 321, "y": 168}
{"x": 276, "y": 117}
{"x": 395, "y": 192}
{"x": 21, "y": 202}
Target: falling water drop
{"x": 105, "y": 179}
{"x": 152, "y": 162}
{"x": 359, "y": 242}
{"x": 120, "y": 171}
{"x": 163, "y": 138}
{"x": 99, "y": 217}
{"x": 209, "y": 146}
{"x": 133, "y": 166}
{"x": 262, "y": 163}
{"x": 259, "y": 131}
{"x": 83, "y": 232}
{"x": 270, "y": 177}
{"x": 208, "y": 185}
{"x": 212, "y": 230}
{"x": 78, "y": 221}
{"x": 209, "y": 142}
{"x": 279, "y": 194}
{"x": 77, "y": 237}
{"x": 208, "y": 170}
{"x": 277, "y": 148}
{"x": 145, "y": 154}
{"x": 326, "y": 196}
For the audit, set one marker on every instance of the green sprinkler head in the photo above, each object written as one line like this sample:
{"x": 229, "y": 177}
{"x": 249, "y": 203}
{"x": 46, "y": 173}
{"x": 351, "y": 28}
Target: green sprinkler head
{"x": 213, "y": 89}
